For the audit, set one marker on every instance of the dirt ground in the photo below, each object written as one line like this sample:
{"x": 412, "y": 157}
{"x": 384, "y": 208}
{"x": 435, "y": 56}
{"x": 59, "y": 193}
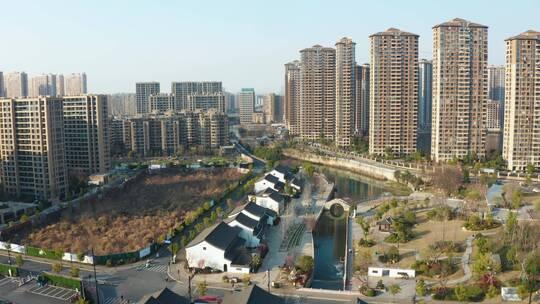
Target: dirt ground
{"x": 427, "y": 232}
{"x": 129, "y": 219}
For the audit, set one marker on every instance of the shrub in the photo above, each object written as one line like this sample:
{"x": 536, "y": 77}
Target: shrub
{"x": 57, "y": 267}
{"x": 305, "y": 263}
{"x": 366, "y": 242}
{"x": 246, "y": 279}
{"x": 368, "y": 292}
{"x": 421, "y": 288}
{"x": 468, "y": 293}
{"x": 380, "y": 285}
{"x": 74, "y": 272}
{"x": 225, "y": 279}
{"x": 390, "y": 256}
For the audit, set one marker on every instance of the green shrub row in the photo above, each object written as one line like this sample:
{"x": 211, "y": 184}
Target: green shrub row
{"x": 60, "y": 280}
{"x": 4, "y": 269}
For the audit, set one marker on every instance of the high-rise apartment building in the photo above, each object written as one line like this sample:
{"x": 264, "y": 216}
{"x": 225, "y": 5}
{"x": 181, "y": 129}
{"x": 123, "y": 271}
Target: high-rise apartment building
{"x": 246, "y": 105}
{"x": 16, "y": 84}
{"x": 496, "y": 83}
{"x": 42, "y": 85}
{"x": 206, "y": 101}
{"x": 183, "y": 89}
{"x": 273, "y": 108}
{"x": 60, "y": 85}
{"x": 425, "y": 82}
{"x": 2, "y": 93}
{"x": 143, "y": 90}
{"x": 362, "y": 100}
{"x": 86, "y": 131}
{"x": 394, "y": 92}
{"x": 161, "y": 102}
{"x": 460, "y": 56}
{"x": 493, "y": 111}
{"x": 345, "y": 92}
{"x": 230, "y": 102}
{"x": 521, "y": 140}
{"x": 292, "y": 97}
{"x": 32, "y": 147}
{"x": 75, "y": 84}
{"x": 170, "y": 133}
{"x": 318, "y": 93}
{"x": 122, "y": 104}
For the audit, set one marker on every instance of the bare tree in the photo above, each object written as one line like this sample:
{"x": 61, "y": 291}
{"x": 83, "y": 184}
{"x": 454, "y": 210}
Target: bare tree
{"x": 447, "y": 178}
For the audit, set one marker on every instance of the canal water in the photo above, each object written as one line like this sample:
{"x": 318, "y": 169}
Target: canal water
{"x": 329, "y": 234}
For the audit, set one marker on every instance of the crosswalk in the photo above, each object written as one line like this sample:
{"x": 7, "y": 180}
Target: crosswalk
{"x": 8, "y": 280}
{"x": 155, "y": 268}
{"x": 115, "y": 300}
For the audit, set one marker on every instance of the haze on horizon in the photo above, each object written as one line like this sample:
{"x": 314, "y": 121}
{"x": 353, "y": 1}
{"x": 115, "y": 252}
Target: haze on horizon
{"x": 243, "y": 44}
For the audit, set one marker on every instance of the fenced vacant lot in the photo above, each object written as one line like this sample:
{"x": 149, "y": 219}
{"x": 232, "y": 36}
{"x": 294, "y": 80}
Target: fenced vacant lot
{"x": 130, "y": 218}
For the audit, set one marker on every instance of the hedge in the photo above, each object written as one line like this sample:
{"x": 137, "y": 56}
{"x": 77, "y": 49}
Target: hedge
{"x": 4, "y": 269}
{"x": 49, "y": 254}
{"x": 60, "y": 280}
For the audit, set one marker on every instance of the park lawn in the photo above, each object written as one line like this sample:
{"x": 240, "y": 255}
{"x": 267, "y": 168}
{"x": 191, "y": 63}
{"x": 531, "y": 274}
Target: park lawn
{"x": 428, "y": 232}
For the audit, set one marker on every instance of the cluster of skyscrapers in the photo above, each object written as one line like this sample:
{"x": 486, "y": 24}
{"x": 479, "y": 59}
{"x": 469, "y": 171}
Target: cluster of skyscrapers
{"x": 18, "y": 84}
{"x": 450, "y": 107}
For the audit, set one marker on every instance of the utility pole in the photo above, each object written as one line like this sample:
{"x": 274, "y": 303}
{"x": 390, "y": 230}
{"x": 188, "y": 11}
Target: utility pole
{"x": 95, "y": 275}
{"x": 268, "y": 273}
{"x": 190, "y": 277}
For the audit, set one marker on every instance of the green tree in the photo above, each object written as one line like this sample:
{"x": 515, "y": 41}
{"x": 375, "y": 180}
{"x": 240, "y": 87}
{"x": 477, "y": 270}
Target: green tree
{"x": 531, "y": 267}
{"x": 364, "y": 225}
{"x": 19, "y": 260}
{"x": 309, "y": 169}
{"x": 305, "y": 263}
{"x": 530, "y": 169}
{"x": 74, "y": 272}
{"x": 174, "y": 248}
{"x": 183, "y": 241}
{"x": 421, "y": 288}
{"x": 202, "y": 288}
{"x": 57, "y": 267}
{"x": 219, "y": 210}
{"x": 394, "y": 289}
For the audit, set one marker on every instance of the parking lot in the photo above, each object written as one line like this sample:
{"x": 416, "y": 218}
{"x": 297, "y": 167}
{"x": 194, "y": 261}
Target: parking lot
{"x": 55, "y": 292}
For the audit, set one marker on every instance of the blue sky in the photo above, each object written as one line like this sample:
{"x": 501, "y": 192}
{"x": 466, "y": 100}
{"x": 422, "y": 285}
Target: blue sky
{"x": 242, "y": 43}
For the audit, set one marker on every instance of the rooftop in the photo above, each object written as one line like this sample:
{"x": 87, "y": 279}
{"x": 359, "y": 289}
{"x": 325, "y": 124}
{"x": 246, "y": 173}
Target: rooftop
{"x": 528, "y": 35}
{"x": 253, "y": 294}
{"x": 163, "y": 296}
{"x": 219, "y": 235}
{"x": 459, "y": 22}
{"x": 393, "y": 32}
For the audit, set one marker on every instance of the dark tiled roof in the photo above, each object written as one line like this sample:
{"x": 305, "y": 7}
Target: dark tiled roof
{"x": 220, "y": 235}
{"x": 459, "y": 22}
{"x": 283, "y": 169}
{"x": 298, "y": 182}
{"x": 255, "y": 209}
{"x": 252, "y": 294}
{"x": 273, "y": 194}
{"x": 236, "y": 250}
{"x": 271, "y": 178}
{"x": 163, "y": 296}
{"x": 244, "y": 220}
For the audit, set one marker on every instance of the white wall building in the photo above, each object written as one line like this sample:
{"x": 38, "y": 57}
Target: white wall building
{"x": 270, "y": 199}
{"x": 218, "y": 247}
{"x": 252, "y": 230}
{"x": 268, "y": 181}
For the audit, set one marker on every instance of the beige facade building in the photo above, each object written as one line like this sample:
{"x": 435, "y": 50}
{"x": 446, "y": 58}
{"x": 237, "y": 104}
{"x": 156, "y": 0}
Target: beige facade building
{"x": 87, "y": 132}
{"x": 16, "y": 84}
{"x": 493, "y": 110}
{"x": 161, "y": 102}
{"x": 206, "y": 101}
{"x": 318, "y": 93}
{"x": 292, "y": 97}
{"x": 75, "y": 84}
{"x": 273, "y": 108}
{"x": 345, "y": 92}
{"x": 157, "y": 135}
{"x": 460, "y": 57}
{"x": 393, "y": 93}
{"x": 32, "y": 147}
{"x": 521, "y": 140}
